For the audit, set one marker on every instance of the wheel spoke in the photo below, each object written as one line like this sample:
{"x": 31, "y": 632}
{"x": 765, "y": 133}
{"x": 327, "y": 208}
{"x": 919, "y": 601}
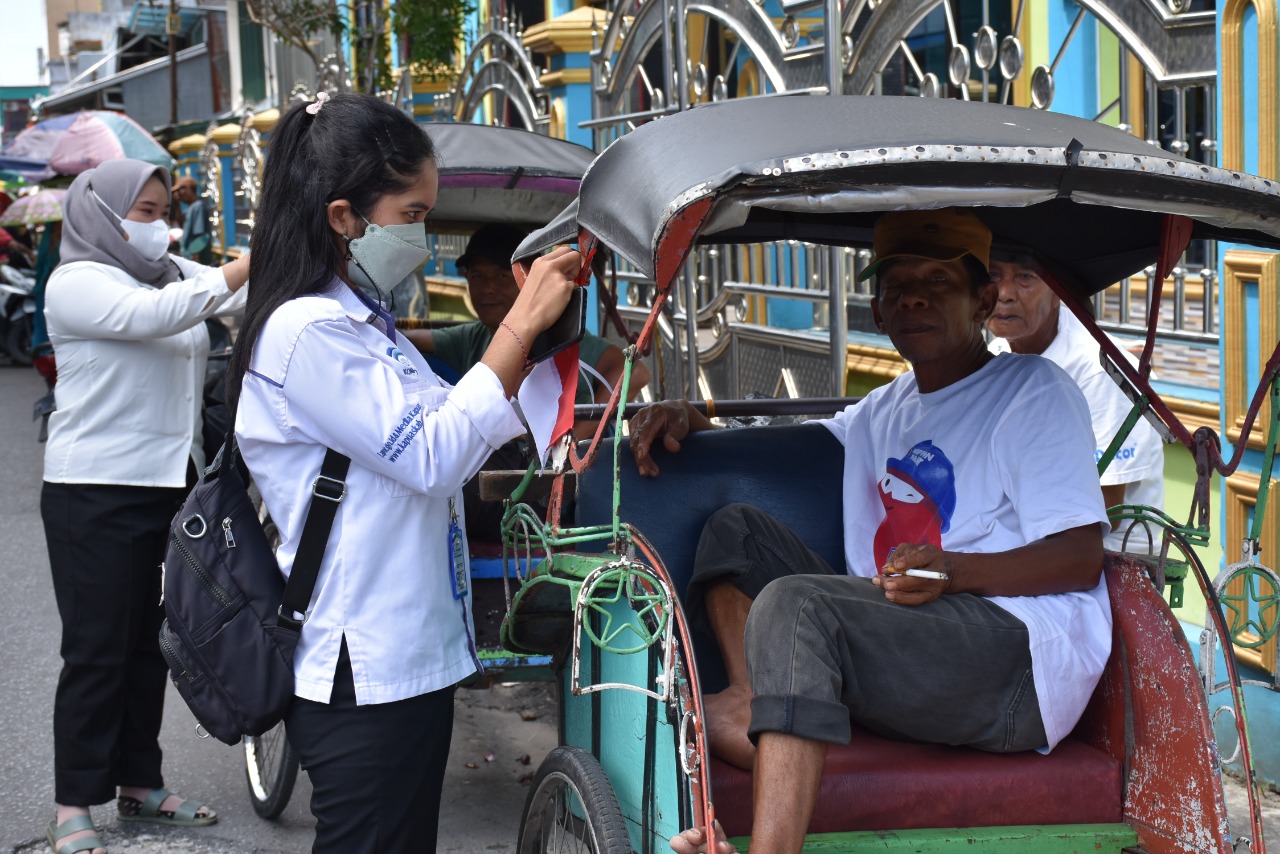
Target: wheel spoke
{"x": 270, "y": 770}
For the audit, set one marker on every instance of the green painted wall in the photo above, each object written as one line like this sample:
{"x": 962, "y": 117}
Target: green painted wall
{"x": 1108, "y": 74}
{"x": 857, "y": 385}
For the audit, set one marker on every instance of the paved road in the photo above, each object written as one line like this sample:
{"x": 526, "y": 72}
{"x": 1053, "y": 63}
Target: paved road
{"x": 485, "y": 784}
{"x": 482, "y": 805}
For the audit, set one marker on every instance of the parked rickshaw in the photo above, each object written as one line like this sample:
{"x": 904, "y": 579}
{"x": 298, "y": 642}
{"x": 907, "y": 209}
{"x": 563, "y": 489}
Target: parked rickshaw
{"x": 487, "y": 175}
{"x": 1142, "y": 770}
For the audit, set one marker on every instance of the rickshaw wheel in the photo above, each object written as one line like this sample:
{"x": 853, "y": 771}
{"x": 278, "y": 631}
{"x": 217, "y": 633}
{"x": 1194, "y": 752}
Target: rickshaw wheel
{"x": 270, "y": 769}
{"x": 572, "y": 808}
{"x": 270, "y": 765}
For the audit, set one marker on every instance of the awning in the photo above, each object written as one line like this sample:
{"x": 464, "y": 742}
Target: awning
{"x": 68, "y": 98}
{"x": 148, "y": 20}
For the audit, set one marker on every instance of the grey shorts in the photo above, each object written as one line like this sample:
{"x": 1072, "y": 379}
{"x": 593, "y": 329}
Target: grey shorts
{"x": 823, "y": 649}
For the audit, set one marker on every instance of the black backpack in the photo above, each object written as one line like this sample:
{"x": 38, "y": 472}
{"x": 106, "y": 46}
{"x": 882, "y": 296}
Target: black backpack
{"x": 231, "y": 624}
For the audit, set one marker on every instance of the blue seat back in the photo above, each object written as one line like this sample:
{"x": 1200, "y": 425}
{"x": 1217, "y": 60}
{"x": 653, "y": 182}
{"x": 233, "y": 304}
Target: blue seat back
{"x": 793, "y": 472}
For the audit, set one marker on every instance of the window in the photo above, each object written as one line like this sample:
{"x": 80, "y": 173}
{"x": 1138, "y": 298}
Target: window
{"x": 15, "y": 112}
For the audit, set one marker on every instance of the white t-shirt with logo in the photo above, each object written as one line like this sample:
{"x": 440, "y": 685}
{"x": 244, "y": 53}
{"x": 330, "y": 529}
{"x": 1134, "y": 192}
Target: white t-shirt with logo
{"x": 993, "y": 462}
{"x": 1140, "y": 461}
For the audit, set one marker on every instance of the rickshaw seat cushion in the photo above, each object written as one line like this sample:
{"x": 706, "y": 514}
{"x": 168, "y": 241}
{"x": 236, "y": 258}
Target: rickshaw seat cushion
{"x": 794, "y": 472}
{"x": 875, "y": 783}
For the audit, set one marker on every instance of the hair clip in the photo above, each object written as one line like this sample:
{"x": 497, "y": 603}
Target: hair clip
{"x": 321, "y": 97}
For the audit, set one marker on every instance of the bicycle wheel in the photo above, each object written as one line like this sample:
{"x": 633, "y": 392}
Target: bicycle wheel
{"x": 270, "y": 769}
{"x": 270, "y": 765}
{"x": 572, "y": 808}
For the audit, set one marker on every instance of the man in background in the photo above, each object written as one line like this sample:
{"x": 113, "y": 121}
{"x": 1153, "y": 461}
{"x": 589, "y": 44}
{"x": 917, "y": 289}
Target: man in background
{"x": 1029, "y": 318}
{"x": 196, "y": 241}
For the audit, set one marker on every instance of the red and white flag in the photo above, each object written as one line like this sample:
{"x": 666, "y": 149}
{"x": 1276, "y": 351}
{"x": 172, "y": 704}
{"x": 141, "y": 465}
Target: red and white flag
{"x": 546, "y": 398}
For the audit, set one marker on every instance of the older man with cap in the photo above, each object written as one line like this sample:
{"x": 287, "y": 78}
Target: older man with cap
{"x": 196, "y": 242}
{"x": 971, "y": 609}
{"x": 1029, "y": 318}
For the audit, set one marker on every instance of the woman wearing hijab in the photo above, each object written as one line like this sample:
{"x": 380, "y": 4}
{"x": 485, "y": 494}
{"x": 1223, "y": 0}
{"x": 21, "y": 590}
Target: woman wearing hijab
{"x": 126, "y": 321}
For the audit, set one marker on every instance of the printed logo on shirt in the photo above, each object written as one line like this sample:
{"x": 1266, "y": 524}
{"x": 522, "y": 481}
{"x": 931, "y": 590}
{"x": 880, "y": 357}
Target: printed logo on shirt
{"x": 919, "y": 497}
{"x": 399, "y": 356}
{"x": 1126, "y": 453}
{"x": 403, "y": 435}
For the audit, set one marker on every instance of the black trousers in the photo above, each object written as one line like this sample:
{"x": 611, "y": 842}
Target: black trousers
{"x": 376, "y": 770}
{"x": 106, "y": 544}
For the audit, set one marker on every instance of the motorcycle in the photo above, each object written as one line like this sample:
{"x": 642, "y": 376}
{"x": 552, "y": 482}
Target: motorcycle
{"x": 17, "y": 312}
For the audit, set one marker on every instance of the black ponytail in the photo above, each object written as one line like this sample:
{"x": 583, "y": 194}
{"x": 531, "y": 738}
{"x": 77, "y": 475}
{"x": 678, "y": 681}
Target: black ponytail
{"x": 355, "y": 147}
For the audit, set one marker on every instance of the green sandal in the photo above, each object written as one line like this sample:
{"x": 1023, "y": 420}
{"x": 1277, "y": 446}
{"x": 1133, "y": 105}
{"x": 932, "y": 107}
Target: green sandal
{"x": 131, "y": 809}
{"x": 72, "y": 825}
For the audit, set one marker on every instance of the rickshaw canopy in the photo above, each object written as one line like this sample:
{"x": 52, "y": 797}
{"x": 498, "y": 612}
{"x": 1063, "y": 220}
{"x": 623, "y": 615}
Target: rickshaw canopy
{"x": 496, "y": 174}
{"x": 1088, "y": 197}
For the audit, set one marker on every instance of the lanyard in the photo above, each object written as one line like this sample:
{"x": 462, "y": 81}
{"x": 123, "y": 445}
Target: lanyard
{"x": 457, "y": 554}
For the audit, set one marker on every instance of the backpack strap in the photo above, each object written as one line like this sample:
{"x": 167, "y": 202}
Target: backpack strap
{"x": 327, "y": 492}
{"x": 228, "y": 458}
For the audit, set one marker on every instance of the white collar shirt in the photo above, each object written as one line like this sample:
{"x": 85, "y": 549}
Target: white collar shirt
{"x": 325, "y": 374}
{"x": 131, "y": 370}
{"x": 1139, "y": 462}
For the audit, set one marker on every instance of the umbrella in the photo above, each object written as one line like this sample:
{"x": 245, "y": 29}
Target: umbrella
{"x": 73, "y": 143}
{"x": 28, "y": 153}
{"x": 43, "y": 206}
{"x": 98, "y": 135}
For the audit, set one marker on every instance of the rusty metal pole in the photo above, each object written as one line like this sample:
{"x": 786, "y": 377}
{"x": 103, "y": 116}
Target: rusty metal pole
{"x": 171, "y": 28}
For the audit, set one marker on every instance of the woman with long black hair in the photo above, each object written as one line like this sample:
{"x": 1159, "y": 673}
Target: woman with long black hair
{"x": 348, "y": 185}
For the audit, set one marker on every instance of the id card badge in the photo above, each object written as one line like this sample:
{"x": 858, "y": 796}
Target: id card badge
{"x": 457, "y": 555}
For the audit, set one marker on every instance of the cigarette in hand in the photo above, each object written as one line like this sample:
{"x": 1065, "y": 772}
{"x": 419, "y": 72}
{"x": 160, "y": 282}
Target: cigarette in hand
{"x": 927, "y": 573}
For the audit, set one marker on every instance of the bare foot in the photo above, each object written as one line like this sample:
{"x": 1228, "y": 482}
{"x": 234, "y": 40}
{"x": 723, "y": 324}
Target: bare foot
{"x": 694, "y": 841}
{"x": 728, "y": 715}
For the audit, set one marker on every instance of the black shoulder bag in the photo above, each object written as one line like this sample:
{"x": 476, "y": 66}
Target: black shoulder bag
{"x": 231, "y": 623}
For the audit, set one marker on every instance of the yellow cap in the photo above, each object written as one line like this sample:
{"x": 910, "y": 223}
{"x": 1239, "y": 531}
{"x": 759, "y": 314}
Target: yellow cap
{"x": 946, "y": 234}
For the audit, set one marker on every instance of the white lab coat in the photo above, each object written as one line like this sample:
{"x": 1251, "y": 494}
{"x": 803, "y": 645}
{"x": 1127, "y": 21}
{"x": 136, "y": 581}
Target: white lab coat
{"x": 131, "y": 365}
{"x": 324, "y": 375}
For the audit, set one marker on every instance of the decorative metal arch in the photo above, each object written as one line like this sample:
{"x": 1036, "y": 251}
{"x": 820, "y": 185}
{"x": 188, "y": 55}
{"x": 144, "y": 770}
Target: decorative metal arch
{"x": 331, "y": 77}
{"x": 400, "y": 95}
{"x": 210, "y": 166}
{"x": 499, "y": 63}
{"x": 628, "y": 41}
{"x": 247, "y": 173}
{"x": 1173, "y": 47}
{"x": 888, "y": 26}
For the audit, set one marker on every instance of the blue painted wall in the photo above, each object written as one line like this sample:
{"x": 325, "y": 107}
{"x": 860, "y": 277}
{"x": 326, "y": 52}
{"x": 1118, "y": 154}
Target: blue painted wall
{"x": 1076, "y": 92}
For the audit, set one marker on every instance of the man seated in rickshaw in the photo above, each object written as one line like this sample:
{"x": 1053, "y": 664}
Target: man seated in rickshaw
{"x": 976, "y": 613}
{"x": 1029, "y": 318}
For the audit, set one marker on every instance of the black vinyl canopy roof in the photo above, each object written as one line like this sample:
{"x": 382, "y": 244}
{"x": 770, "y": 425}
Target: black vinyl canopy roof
{"x": 497, "y": 174}
{"x": 1089, "y": 198}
